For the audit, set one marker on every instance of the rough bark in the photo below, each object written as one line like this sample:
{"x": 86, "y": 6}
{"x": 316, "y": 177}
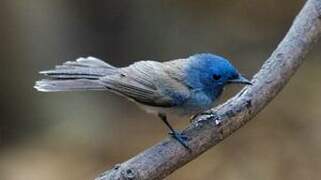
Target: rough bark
{"x": 212, "y": 127}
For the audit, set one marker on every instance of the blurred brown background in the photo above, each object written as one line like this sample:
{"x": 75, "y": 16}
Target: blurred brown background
{"x": 78, "y": 135}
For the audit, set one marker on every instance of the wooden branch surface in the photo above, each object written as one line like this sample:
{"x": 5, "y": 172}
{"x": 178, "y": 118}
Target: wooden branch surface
{"x": 212, "y": 127}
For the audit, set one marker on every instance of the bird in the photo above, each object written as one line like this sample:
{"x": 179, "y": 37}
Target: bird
{"x": 183, "y": 87}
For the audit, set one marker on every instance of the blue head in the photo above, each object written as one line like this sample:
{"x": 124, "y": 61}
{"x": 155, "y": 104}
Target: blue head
{"x": 211, "y": 73}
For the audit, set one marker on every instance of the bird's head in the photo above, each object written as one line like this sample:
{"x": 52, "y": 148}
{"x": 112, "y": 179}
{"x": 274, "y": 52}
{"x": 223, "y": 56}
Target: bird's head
{"x": 214, "y": 72}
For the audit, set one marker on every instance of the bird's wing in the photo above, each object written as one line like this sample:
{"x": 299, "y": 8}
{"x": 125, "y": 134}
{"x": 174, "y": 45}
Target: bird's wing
{"x": 147, "y": 82}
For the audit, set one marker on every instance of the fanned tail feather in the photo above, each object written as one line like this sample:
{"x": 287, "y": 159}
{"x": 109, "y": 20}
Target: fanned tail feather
{"x": 46, "y": 85}
{"x": 82, "y": 74}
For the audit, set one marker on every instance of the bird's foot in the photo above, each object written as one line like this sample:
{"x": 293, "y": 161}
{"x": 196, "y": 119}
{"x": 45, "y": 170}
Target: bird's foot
{"x": 193, "y": 117}
{"x": 181, "y": 138}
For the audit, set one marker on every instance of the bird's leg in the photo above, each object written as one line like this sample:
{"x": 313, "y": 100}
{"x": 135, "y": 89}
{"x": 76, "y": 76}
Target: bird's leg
{"x": 194, "y": 117}
{"x": 176, "y": 135}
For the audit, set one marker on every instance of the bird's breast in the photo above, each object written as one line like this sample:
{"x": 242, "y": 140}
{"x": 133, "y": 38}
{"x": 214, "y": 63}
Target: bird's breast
{"x": 198, "y": 101}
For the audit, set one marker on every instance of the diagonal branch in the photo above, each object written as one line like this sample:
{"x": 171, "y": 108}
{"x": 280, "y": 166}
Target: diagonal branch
{"x": 211, "y": 128}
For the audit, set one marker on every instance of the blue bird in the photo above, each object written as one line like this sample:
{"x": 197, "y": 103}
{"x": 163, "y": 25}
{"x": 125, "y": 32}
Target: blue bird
{"x": 181, "y": 87}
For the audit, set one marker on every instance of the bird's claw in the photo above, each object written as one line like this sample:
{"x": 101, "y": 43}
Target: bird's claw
{"x": 181, "y": 138}
{"x": 193, "y": 117}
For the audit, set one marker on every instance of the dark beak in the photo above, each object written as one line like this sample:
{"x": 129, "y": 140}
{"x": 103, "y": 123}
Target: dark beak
{"x": 240, "y": 80}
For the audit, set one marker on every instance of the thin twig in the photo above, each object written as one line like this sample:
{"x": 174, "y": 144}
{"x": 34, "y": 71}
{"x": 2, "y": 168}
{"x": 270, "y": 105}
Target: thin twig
{"x": 211, "y": 128}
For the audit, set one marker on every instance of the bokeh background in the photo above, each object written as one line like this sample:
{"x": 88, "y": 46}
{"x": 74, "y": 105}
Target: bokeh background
{"x": 78, "y": 135}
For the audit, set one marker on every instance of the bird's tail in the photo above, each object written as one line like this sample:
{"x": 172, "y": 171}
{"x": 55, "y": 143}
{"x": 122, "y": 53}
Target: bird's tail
{"x": 82, "y": 74}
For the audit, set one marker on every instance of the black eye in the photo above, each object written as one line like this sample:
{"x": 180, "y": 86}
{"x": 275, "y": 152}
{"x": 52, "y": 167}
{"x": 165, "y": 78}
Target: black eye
{"x": 216, "y": 77}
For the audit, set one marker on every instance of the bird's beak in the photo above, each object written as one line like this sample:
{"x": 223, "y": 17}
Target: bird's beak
{"x": 240, "y": 80}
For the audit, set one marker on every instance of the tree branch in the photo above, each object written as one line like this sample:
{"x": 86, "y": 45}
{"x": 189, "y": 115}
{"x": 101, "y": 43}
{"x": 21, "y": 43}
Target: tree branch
{"x": 212, "y": 127}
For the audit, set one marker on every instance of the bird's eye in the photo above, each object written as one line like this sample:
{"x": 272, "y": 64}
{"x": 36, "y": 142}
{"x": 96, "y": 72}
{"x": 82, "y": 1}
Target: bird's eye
{"x": 216, "y": 77}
